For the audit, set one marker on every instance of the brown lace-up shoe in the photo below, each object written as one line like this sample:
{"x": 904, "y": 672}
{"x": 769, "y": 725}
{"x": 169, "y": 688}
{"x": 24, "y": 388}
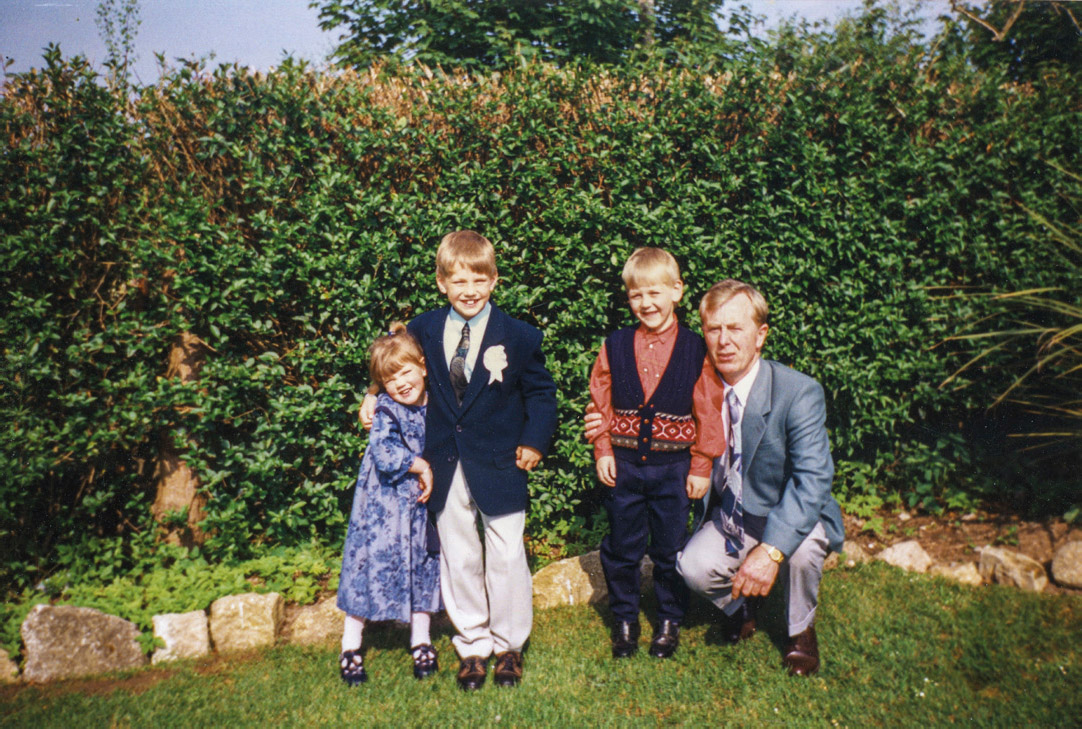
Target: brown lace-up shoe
{"x": 741, "y": 625}
{"x": 472, "y": 672}
{"x": 508, "y": 668}
{"x": 802, "y": 654}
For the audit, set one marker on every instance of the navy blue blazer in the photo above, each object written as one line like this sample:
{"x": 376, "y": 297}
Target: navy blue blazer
{"x": 495, "y": 417}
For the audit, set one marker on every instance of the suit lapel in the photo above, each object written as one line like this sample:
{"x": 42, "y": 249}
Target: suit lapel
{"x": 494, "y": 335}
{"x": 438, "y": 369}
{"x": 754, "y": 417}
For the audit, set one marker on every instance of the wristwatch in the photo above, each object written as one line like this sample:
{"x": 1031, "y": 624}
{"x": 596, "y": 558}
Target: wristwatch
{"x": 773, "y": 552}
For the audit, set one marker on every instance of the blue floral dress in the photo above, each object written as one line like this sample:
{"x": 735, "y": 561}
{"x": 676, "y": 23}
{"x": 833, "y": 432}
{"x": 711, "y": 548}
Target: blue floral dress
{"x": 387, "y": 570}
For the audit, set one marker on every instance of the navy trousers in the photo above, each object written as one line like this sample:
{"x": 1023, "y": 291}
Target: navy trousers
{"x": 648, "y": 514}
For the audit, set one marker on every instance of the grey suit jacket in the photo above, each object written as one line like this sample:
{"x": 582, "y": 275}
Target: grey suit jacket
{"x": 788, "y": 471}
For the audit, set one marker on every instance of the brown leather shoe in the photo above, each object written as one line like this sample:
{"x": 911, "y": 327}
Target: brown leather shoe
{"x": 508, "y": 668}
{"x": 741, "y": 625}
{"x": 472, "y": 672}
{"x": 802, "y": 654}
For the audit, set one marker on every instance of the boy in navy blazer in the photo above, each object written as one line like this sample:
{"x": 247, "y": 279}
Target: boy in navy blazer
{"x": 491, "y": 416}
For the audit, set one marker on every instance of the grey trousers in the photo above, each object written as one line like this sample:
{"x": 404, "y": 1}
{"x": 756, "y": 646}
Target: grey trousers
{"x": 487, "y": 590}
{"x": 709, "y": 571}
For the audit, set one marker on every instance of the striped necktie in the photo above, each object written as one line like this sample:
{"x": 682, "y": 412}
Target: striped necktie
{"x": 458, "y": 364}
{"x": 731, "y": 513}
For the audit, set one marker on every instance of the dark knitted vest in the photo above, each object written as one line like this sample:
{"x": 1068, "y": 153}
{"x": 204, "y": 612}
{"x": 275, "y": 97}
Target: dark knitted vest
{"x": 661, "y": 430}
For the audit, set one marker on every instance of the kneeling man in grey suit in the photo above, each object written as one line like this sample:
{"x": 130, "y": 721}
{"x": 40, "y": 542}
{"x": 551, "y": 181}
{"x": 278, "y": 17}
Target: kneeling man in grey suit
{"x": 769, "y": 512}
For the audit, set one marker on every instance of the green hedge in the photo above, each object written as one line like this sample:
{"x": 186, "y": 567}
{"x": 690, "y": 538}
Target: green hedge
{"x": 286, "y": 218}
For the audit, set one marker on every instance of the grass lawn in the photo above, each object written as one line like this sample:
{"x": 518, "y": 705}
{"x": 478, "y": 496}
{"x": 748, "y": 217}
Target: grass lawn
{"x": 898, "y": 650}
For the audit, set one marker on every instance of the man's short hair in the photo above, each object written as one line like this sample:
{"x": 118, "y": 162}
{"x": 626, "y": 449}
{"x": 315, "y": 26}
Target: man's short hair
{"x": 723, "y": 291}
{"x": 468, "y": 249}
{"x": 650, "y": 265}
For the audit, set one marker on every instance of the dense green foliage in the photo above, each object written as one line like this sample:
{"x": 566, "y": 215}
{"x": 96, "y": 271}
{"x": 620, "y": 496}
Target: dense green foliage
{"x": 475, "y": 34}
{"x": 285, "y": 219}
{"x": 899, "y": 650}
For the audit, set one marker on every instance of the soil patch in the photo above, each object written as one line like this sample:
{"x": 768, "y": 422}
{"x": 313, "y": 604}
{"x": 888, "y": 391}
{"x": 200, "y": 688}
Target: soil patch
{"x": 956, "y": 537}
{"x": 135, "y": 684}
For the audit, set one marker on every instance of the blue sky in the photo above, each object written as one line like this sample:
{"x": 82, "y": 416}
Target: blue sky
{"x": 255, "y": 33}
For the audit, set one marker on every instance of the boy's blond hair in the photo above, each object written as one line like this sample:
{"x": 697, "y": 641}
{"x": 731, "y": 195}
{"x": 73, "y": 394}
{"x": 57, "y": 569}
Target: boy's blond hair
{"x": 723, "y": 291}
{"x": 468, "y": 249}
{"x": 391, "y": 352}
{"x": 650, "y": 265}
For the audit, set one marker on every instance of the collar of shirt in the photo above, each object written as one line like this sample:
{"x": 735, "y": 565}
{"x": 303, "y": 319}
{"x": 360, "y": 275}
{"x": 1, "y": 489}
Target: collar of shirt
{"x": 452, "y": 332}
{"x": 667, "y": 334}
{"x": 742, "y": 388}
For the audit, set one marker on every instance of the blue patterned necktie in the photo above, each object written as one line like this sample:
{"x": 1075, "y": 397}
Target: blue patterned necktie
{"x": 732, "y": 508}
{"x": 458, "y": 364}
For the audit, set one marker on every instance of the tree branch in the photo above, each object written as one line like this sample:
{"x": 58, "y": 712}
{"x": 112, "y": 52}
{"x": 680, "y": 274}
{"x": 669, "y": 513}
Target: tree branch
{"x": 997, "y": 33}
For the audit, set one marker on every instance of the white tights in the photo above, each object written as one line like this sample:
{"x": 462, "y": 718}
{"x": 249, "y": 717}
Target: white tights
{"x": 420, "y": 625}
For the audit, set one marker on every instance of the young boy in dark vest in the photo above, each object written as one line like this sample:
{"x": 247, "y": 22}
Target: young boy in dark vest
{"x": 649, "y": 451}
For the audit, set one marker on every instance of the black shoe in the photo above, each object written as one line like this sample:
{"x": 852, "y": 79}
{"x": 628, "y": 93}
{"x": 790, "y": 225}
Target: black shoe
{"x": 666, "y": 639}
{"x": 472, "y": 672}
{"x": 351, "y": 665}
{"x": 741, "y": 625}
{"x": 625, "y": 639}
{"x": 425, "y": 660}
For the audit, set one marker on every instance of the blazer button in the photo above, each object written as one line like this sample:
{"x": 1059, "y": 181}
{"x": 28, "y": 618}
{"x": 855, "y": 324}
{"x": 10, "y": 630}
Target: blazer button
{"x": 458, "y": 428}
{"x": 450, "y": 459}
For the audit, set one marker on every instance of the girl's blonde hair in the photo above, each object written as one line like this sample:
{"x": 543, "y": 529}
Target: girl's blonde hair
{"x": 393, "y": 351}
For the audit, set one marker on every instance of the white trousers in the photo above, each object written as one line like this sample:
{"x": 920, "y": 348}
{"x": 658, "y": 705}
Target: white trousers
{"x": 488, "y": 592}
{"x": 709, "y": 571}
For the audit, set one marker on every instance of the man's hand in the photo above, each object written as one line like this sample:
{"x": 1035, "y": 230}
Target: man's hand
{"x": 697, "y": 486}
{"x": 593, "y": 423}
{"x": 606, "y": 470}
{"x": 527, "y": 458}
{"x": 368, "y": 409}
{"x": 756, "y": 576}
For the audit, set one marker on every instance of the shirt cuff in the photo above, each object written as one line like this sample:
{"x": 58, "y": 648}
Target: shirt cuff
{"x": 700, "y": 466}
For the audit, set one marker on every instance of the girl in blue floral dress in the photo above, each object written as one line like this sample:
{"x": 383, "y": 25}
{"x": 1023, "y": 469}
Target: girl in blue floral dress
{"x": 388, "y": 572}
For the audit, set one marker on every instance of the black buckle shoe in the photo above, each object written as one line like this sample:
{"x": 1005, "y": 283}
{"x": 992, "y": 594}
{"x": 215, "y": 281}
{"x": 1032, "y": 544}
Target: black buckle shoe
{"x": 625, "y": 639}
{"x": 666, "y": 639}
{"x": 351, "y": 665}
{"x": 425, "y": 660}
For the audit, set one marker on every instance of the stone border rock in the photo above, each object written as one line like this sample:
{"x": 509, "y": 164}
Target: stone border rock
{"x": 64, "y": 642}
